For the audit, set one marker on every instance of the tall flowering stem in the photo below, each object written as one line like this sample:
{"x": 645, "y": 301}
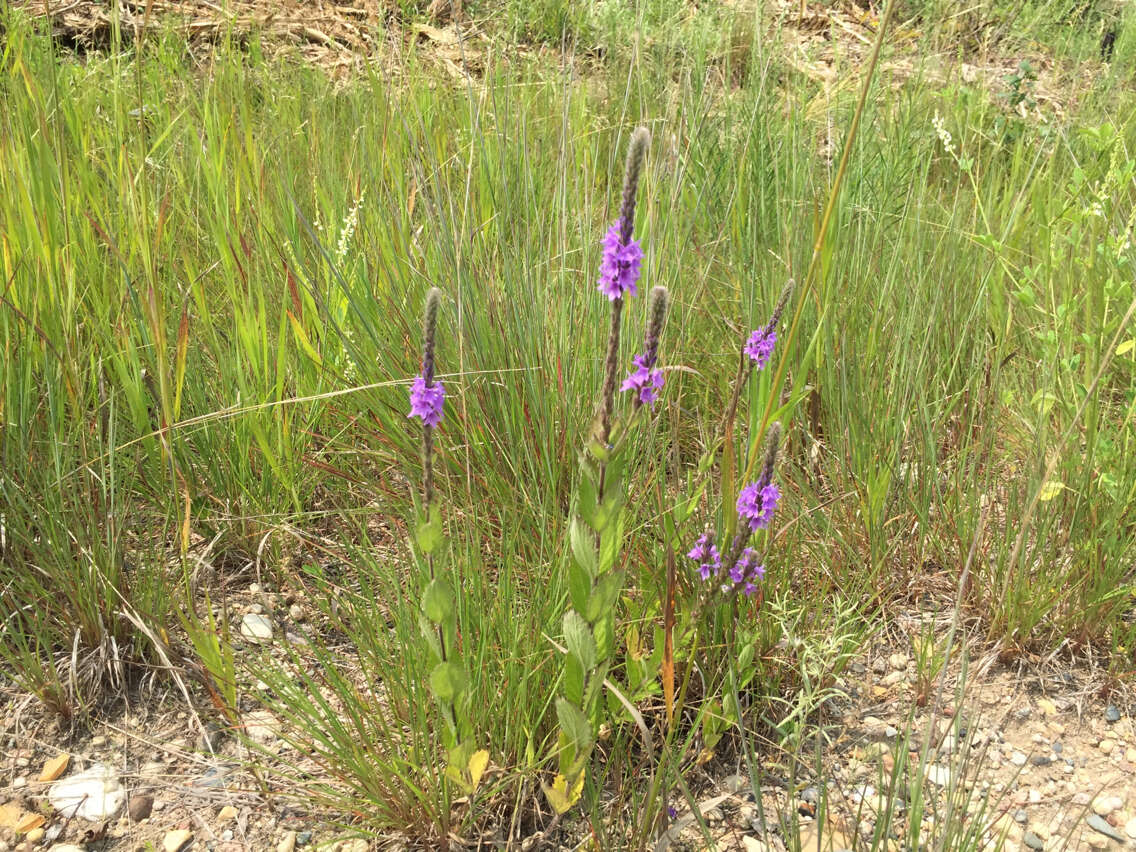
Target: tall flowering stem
{"x": 756, "y": 352}
{"x": 756, "y": 503}
{"x": 619, "y": 272}
{"x": 430, "y": 395}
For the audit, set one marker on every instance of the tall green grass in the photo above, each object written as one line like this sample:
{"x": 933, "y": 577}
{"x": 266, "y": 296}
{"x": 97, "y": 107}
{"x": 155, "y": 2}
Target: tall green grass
{"x": 209, "y": 291}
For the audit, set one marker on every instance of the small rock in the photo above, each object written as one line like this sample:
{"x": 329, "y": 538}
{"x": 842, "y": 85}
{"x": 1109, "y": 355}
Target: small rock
{"x": 894, "y": 679}
{"x": 1112, "y": 714}
{"x": 1034, "y": 797}
{"x": 939, "y": 775}
{"x": 752, "y": 844}
{"x": 1130, "y": 828}
{"x": 1047, "y": 707}
{"x": 54, "y": 767}
{"x": 1018, "y": 758}
{"x": 176, "y": 840}
{"x": 256, "y": 628}
{"x": 1130, "y": 754}
{"x": 898, "y": 662}
{"x": 303, "y": 838}
{"x": 810, "y": 795}
{"x": 1098, "y": 823}
{"x": 1021, "y": 817}
{"x": 1033, "y": 841}
{"x": 140, "y": 807}
{"x": 288, "y": 844}
{"x": 95, "y": 794}
{"x": 66, "y": 847}
{"x": 1041, "y": 760}
{"x": 226, "y": 814}
{"x": 1058, "y": 747}
{"x": 35, "y": 835}
{"x": 296, "y": 612}
{"x": 890, "y": 732}
{"x": 19, "y": 782}
{"x": 879, "y": 665}
{"x": 714, "y": 816}
{"x": 1105, "y": 805}
{"x": 1106, "y": 746}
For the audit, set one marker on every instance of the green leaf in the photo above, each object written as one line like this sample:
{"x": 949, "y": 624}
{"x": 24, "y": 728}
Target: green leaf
{"x": 574, "y": 724}
{"x": 428, "y": 531}
{"x": 603, "y": 597}
{"x": 605, "y": 636}
{"x": 438, "y": 601}
{"x": 578, "y": 637}
{"x": 583, "y": 546}
{"x": 611, "y": 542}
{"x": 586, "y": 505}
{"x": 448, "y": 681}
{"x": 579, "y": 585}
{"x": 573, "y": 680}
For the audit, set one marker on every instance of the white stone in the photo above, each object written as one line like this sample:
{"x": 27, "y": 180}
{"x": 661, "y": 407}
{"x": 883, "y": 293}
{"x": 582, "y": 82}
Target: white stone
{"x": 94, "y": 794}
{"x": 1130, "y": 828}
{"x": 898, "y": 662}
{"x": 1018, "y": 758}
{"x": 939, "y": 775}
{"x": 256, "y": 628}
{"x": 1106, "y": 746}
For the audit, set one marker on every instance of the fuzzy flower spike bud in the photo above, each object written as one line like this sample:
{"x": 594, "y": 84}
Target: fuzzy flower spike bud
{"x": 759, "y": 347}
{"x": 646, "y": 379}
{"x": 426, "y": 395}
{"x": 622, "y": 256}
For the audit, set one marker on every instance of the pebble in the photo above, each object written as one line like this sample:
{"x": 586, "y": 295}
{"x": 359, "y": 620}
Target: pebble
{"x": 898, "y": 662}
{"x": 94, "y": 794}
{"x": 176, "y": 839}
{"x": 736, "y": 784}
{"x": 1021, "y": 817}
{"x": 1033, "y": 841}
{"x": 939, "y": 775}
{"x": 890, "y": 732}
{"x": 1098, "y": 823}
{"x": 1130, "y": 755}
{"x": 20, "y": 782}
{"x": 810, "y": 795}
{"x": 140, "y": 807}
{"x": 288, "y": 844}
{"x": 226, "y": 814}
{"x": 1130, "y": 828}
{"x": 303, "y": 838}
{"x": 879, "y": 665}
{"x": 296, "y": 612}
{"x": 1041, "y": 760}
{"x": 894, "y": 679}
{"x": 35, "y": 835}
{"x": 1018, "y": 758}
{"x": 1106, "y": 746}
{"x": 1112, "y": 714}
{"x": 256, "y": 628}
{"x": 1105, "y": 805}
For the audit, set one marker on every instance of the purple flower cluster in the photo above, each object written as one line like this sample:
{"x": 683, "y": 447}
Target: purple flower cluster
{"x": 760, "y": 345}
{"x": 646, "y": 379}
{"x": 619, "y": 270}
{"x": 706, "y": 554}
{"x": 756, "y": 504}
{"x": 426, "y": 401}
{"x": 747, "y": 572}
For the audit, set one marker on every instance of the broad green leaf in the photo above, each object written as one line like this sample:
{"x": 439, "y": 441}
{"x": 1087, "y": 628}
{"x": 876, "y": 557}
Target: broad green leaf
{"x": 447, "y": 681}
{"x": 578, "y": 637}
{"x": 428, "y": 530}
{"x": 604, "y": 595}
{"x": 579, "y": 585}
{"x": 438, "y": 601}
{"x": 1050, "y": 490}
{"x": 574, "y": 724}
{"x": 573, "y": 680}
{"x": 583, "y": 546}
{"x": 1126, "y": 347}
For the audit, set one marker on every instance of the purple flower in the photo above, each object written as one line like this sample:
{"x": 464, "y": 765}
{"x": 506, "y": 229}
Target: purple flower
{"x": 737, "y": 573}
{"x": 646, "y": 380}
{"x": 619, "y": 269}
{"x": 426, "y": 401}
{"x": 760, "y": 345}
{"x": 706, "y": 553}
{"x": 756, "y": 504}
